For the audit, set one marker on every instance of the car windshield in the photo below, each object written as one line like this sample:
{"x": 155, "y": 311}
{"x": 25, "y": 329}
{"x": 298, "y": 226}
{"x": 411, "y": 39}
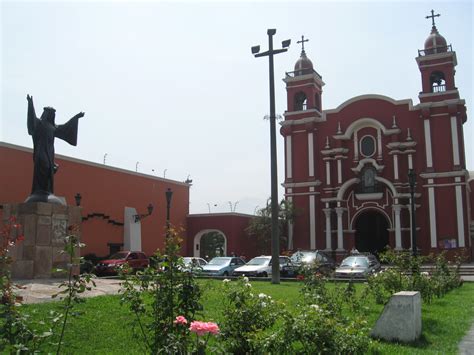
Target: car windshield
{"x": 119, "y": 255}
{"x": 303, "y": 256}
{"x": 219, "y": 261}
{"x": 259, "y": 261}
{"x": 355, "y": 261}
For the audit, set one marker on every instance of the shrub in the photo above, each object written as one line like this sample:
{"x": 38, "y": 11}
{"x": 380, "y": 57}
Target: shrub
{"x": 404, "y": 274}
{"x": 159, "y": 294}
{"x": 246, "y": 316}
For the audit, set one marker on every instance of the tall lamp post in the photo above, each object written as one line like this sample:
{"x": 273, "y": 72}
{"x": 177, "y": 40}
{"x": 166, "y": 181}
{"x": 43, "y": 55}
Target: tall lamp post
{"x": 273, "y": 154}
{"x": 168, "y": 194}
{"x": 412, "y": 182}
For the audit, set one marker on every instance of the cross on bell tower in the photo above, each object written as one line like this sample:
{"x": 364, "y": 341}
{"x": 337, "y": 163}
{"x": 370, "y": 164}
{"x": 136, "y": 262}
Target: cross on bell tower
{"x": 302, "y": 43}
{"x": 432, "y": 18}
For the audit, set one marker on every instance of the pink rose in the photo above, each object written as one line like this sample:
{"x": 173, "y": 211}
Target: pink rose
{"x": 202, "y": 328}
{"x": 180, "y": 320}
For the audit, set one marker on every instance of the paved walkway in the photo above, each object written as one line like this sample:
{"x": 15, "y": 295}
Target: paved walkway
{"x": 466, "y": 346}
{"x": 41, "y": 290}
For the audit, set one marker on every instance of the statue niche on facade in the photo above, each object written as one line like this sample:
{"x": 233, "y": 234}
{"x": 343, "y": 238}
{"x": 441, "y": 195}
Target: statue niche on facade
{"x": 43, "y": 131}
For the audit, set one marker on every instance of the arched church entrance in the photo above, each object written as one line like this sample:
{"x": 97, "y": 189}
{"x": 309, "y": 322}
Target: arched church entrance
{"x": 210, "y": 243}
{"x": 371, "y": 232}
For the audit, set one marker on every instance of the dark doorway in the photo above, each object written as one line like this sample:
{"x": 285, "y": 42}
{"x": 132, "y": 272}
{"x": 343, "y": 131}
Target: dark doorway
{"x": 371, "y": 232}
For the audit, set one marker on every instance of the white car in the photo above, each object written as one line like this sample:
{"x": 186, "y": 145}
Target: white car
{"x": 260, "y": 266}
{"x": 193, "y": 264}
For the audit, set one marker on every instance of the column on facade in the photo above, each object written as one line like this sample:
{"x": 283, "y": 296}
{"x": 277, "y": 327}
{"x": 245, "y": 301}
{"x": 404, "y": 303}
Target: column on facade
{"x": 395, "y": 166}
{"x": 290, "y": 224}
{"x": 356, "y": 147}
{"x": 312, "y": 219}
{"x": 379, "y": 143}
{"x": 310, "y": 154}
{"x": 460, "y": 213}
{"x": 339, "y": 171}
{"x": 327, "y": 213}
{"x": 398, "y": 231}
{"x": 289, "y": 160}
{"x": 340, "y": 231}
{"x": 455, "y": 140}
{"x": 432, "y": 212}
{"x": 410, "y": 161}
{"x": 429, "y": 154}
{"x": 328, "y": 172}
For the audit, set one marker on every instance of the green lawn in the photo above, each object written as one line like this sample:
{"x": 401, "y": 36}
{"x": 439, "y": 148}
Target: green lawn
{"x": 103, "y": 326}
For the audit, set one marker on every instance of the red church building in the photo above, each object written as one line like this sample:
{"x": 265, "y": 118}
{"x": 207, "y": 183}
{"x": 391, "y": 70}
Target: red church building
{"x": 346, "y": 169}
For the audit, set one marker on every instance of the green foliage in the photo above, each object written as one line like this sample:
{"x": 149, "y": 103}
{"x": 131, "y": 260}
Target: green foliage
{"x": 76, "y": 283}
{"x": 159, "y": 294}
{"x": 260, "y": 226}
{"x": 404, "y": 274}
{"x": 329, "y": 320}
{"x": 212, "y": 245}
{"x": 18, "y": 334}
{"x": 246, "y": 316}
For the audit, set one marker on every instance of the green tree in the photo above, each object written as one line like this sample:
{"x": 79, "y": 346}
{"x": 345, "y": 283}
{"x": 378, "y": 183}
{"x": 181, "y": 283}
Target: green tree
{"x": 212, "y": 244}
{"x": 260, "y": 226}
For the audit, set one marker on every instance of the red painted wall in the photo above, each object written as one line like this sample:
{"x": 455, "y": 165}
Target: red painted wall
{"x": 105, "y": 190}
{"x": 233, "y": 225}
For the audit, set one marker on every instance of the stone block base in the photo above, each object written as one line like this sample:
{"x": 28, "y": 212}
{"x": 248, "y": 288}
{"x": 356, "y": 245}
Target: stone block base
{"x": 400, "y": 319}
{"x": 44, "y": 226}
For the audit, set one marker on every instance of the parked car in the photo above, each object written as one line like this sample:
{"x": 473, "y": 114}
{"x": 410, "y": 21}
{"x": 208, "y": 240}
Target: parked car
{"x": 135, "y": 259}
{"x": 260, "y": 266}
{"x": 307, "y": 258}
{"x": 193, "y": 264}
{"x": 358, "y": 266}
{"x": 222, "y": 266}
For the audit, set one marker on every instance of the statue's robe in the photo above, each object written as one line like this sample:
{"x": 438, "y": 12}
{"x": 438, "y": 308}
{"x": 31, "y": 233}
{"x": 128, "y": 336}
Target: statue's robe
{"x": 43, "y": 133}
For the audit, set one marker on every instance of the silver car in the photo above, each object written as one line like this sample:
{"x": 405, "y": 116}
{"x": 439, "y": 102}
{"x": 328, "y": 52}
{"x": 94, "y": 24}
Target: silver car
{"x": 222, "y": 266}
{"x": 358, "y": 266}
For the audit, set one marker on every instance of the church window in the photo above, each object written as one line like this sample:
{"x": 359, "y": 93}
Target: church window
{"x": 300, "y": 101}
{"x": 437, "y": 81}
{"x": 367, "y": 146}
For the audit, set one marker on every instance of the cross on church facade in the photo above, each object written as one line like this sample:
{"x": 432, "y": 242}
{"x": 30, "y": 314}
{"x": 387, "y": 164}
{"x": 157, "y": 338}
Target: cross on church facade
{"x": 432, "y": 18}
{"x": 302, "y": 42}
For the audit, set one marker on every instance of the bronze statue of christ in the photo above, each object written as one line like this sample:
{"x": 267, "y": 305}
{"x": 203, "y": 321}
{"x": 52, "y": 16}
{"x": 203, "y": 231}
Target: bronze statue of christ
{"x": 43, "y": 131}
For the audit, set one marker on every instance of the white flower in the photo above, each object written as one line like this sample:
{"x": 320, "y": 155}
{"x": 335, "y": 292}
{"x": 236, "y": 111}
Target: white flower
{"x": 225, "y": 281}
{"x": 315, "y": 306}
{"x": 262, "y": 295}
{"x": 263, "y": 304}
{"x": 246, "y": 279}
{"x": 248, "y": 285}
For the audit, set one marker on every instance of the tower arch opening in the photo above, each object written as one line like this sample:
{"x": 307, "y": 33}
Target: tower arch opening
{"x": 437, "y": 81}
{"x": 301, "y": 101}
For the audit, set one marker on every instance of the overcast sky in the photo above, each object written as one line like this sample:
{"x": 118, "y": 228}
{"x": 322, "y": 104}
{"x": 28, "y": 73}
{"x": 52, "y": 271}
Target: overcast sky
{"x": 173, "y": 85}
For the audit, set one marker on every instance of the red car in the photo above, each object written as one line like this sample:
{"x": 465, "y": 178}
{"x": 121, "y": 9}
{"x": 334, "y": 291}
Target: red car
{"x": 135, "y": 259}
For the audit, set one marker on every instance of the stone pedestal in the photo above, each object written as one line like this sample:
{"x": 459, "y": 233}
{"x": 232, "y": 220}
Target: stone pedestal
{"x": 401, "y": 318}
{"x": 44, "y": 226}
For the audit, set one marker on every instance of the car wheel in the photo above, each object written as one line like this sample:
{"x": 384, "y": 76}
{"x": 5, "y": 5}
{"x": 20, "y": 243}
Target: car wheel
{"x": 264, "y": 274}
{"x": 226, "y": 273}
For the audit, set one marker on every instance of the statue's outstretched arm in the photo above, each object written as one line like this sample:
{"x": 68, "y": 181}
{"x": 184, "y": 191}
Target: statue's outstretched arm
{"x": 31, "y": 115}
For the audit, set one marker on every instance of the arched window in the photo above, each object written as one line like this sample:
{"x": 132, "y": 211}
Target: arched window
{"x": 300, "y": 102}
{"x": 437, "y": 81}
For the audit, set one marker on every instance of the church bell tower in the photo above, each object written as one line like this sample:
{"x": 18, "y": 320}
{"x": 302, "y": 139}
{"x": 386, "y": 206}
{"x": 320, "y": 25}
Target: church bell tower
{"x": 437, "y": 62}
